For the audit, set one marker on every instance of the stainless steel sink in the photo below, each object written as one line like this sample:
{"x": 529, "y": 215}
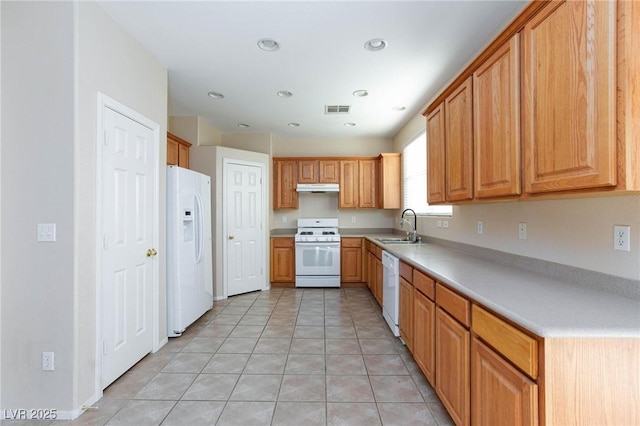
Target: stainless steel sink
{"x": 395, "y": 241}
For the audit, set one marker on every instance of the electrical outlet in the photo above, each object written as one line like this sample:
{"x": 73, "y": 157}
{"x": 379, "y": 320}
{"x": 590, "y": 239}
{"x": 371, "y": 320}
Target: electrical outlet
{"x": 480, "y": 226}
{"x": 353, "y": 219}
{"x": 284, "y": 219}
{"x": 47, "y": 361}
{"x": 445, "y": 223}
{"x": 522, "y": 231}
{"x": 46, "y": 232}
{"x": 621, "y": 237}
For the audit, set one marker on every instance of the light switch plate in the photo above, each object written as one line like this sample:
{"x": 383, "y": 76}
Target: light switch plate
{"x": 46, "y": 232}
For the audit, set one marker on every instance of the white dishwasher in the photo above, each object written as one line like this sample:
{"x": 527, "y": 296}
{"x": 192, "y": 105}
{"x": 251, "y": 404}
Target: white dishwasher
{"x": 390, "y": 291}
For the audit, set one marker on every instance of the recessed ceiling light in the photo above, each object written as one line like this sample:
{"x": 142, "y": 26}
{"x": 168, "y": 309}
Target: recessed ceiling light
{"x": 399, "y": 108}
{"x": 349, "y": 124}
{"x": 215, "y": 95}
{"x": 360, "y": 93}
{"x": 284, "y": 94}
{"x": 375, "y": 44}
{"x": 268, "y": 44}
{"x": 243, "y": 125}
{"x": 293, "y": 124}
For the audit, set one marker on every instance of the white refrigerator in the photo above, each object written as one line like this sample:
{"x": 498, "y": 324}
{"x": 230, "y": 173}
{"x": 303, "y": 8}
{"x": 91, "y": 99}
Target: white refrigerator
{"x": 189, "y": 259}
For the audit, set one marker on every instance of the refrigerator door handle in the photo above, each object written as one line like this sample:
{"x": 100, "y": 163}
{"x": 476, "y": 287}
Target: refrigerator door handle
{"x": 199, "y": 246}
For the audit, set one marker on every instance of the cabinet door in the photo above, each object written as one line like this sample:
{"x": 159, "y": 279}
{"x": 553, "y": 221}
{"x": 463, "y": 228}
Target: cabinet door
{"x": 424, "y": 317}
{"x": 329, "y": 171}
{"x": 368, "y": 184}
{"x": 436, "y": 191}
{"x": 496, "y": 123}
{"x": 459, "y": 143}
{"x": 406, "y": 313}
{"x": 282, "y": 260}
{"x": 351, "y": 260}
{"x": 452, "y": 367}
{"x": 389, "y": 181}
{"x": 501, "y": 395}
{"x": 348, "y": 195}
{"x": 285, "y": 178}
{"x": 172, "y": 152}
{"x": 569, "y": 103}
{"x": 183, "y": 156}
{"x": 307, "y": 171}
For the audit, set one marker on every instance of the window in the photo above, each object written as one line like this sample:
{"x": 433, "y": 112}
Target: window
{"x": 414, "y": 172}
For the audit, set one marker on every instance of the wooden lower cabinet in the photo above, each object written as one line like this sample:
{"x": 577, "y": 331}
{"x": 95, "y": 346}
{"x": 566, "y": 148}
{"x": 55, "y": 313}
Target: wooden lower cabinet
{"x": 406, "y": 313}
{"x": 424, "y": 317}
{"x": 351, "y": 260}
{"x": 452, "y": 366}
{"x": 378, "y": 287}
{"x": 283, "y": 261}
{"x": 500, "y": 394}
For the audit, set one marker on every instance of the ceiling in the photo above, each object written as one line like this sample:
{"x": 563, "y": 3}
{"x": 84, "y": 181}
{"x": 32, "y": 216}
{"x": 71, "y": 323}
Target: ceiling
{"x": 213, "y": 46}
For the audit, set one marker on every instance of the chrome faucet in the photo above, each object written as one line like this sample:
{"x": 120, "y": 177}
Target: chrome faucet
{"x": 414, "y": 236}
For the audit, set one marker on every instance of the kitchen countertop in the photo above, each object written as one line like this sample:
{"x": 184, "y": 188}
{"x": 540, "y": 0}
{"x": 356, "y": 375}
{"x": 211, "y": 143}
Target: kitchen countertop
{"x": 546, "y": 306}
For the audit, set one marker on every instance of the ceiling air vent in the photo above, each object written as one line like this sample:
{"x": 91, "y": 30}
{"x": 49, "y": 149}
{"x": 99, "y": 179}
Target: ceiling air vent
{"x": 337, "y": 109}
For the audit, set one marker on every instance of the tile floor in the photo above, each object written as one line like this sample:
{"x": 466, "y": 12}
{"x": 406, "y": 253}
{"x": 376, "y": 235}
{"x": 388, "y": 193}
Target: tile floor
{"x": 277, "y": 357}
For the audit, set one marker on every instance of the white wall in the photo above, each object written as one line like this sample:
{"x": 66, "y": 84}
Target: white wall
{"x": 37, "y": 186}
{"x": 318, "y": 147}
{"x": 56, "y": 56}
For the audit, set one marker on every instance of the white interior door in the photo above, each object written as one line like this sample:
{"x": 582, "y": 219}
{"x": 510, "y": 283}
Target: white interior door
{"x": 244, "y": 233}
{"x": 128, "y": 252}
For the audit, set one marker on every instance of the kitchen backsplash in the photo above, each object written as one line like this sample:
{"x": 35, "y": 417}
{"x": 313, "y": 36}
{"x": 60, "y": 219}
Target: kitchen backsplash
{"x": 326, "y": 205}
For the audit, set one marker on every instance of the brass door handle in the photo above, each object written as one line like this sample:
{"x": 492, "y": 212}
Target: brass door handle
{"x": 231, "y": 237}
{"x": 151, "y": 252}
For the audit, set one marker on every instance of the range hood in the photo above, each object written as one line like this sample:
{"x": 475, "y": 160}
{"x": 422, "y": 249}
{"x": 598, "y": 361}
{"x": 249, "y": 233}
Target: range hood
{"x": 318, "y": 187}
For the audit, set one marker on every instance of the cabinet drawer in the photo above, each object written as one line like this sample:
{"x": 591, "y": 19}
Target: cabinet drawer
{"x": 456, "y": 305}
{"x": 424, "y": 284}
{"x": 377, "y": 251}
{"x": 351, "y": 242}
{"x": 282, "y": 242}
{"x": 519, "y": 348}
{"x": 406, "y": 272}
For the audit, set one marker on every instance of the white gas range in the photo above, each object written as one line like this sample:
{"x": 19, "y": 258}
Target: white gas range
{"x": 318, "y": 253}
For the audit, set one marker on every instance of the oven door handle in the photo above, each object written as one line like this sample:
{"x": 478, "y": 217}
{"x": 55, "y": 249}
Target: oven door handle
{"x": 318, "y": 243}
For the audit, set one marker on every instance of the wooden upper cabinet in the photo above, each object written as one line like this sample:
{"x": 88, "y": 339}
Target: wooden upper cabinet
{"x": 348, "y": 196}
{"x": 389, "y": 181}
{"x": 368, "y": 184}
{"x": 569, "y": 122}
{"x": 328, "y": 171}
{"x": 496, "y": 123}
{"x": 459, "y": 143}
{"x": 285, "y": 178}
{"x": 436, "y": 191}
{"x": 307, "y": 171}
{"x": 177, "y": 151}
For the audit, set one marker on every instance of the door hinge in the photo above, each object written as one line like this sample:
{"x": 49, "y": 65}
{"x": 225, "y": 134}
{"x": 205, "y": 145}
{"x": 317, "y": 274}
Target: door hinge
{"x": 105, "y": 139}
{"x": 105, "y": 242}
{"x": 104, "y": 347}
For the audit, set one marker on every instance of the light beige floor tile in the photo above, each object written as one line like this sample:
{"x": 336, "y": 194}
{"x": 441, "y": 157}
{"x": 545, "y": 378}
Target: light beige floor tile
{"x": 216, "y": 330}
{"x": 247, "y": 331}
{"x": 266, "y": 364}
{"x": 176, "y": 344}
{"x": 282, "y": 319}
{"x": 142, "y": 413}
{"x": 299, "y": 413}
{"x": 440, "y": 413}
{"x": 105, "y": 409}
{"x": 238, "y": 345}
{"x": 309, "y": 332}
{"x": 349, "y": 389}
{"x": 341, "y": 414}
{"x": 405, "y": 413}
{"x": 395, "y": 389}
{"x": 187, "y": 363}
{"x": 305, "y": 364}
{"x": 340, "y": 332}
{"x": 345, "y": 364}
{"x": 194, "y": 413}
{"x": 307, "y": 346}
{"x": 154, "y": 362}
{"x": 385, "y": 365}
{"x": 378, "y": 346}
{"x": 302, "y": 388}
{"x": 269, "y": 345}
{"x": 166, "y": 386}
{"x": 238, "y": 413}
{"x": 211, "y": 387}
{"x": 226, "y": 363}
{"x": 343, "y": 346}
{"x": 310, "y": 319}
{"x": 256, "y": 387}
{"x": 226, "y": 319}
{"x": 250, "y": 319}
{"x": 128, "y": 385}
{"x": 343, "y": 319}
{"x": 278, "y": 331}
{"x": 204, "y": 344}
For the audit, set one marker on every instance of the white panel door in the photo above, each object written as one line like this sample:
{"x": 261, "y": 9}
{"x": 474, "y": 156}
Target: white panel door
{"x": 244, "y": 233}
{"x": 128, "y": 248}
